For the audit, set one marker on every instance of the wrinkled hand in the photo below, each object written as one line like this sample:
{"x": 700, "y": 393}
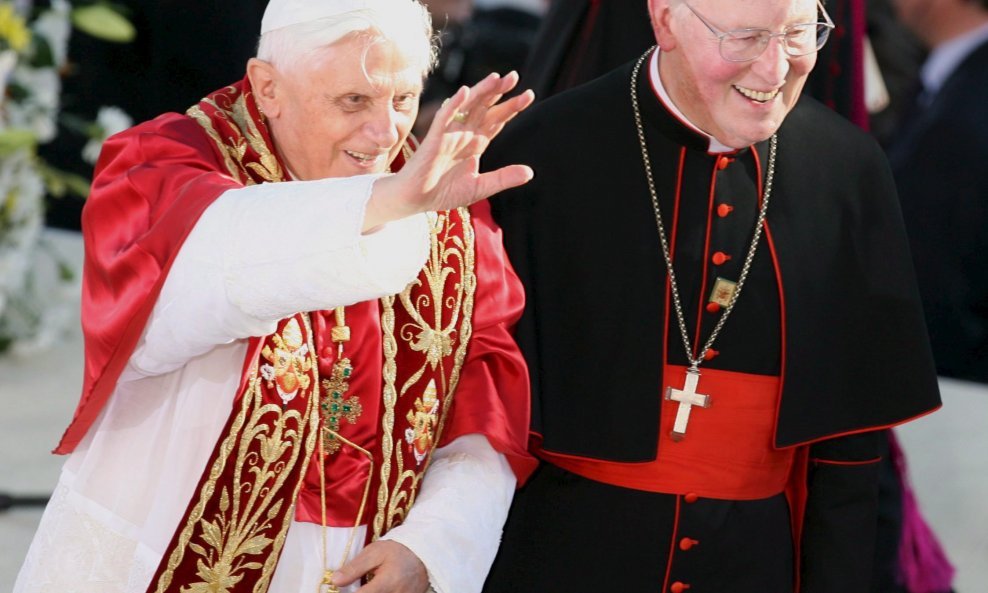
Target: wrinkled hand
{"x": 396, "y": 570}
{"x": 444, "y": 173}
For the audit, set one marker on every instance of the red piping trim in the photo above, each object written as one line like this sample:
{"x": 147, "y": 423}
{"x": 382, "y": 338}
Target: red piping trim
{"x": 782, "y": 299}
{"x": 859, "y": 110}
{"x": 586, "y": 32}
{"x": 672, "y": 544}
{"x": 538, "y": 439}
{"x": 849, "y": 463}
{"x": 861, "y": 430}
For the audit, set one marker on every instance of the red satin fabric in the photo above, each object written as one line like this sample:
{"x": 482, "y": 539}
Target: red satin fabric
{"x": 152, "y": 183}
{"x": 727, "y": 452}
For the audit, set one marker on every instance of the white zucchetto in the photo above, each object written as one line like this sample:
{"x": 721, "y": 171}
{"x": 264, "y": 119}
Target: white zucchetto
{"x": 283, "y": 13}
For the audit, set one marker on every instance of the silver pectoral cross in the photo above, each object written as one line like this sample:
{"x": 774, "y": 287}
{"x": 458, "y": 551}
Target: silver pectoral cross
{"x": 687, "y": 398}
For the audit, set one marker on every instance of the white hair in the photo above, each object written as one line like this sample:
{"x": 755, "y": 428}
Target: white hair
{"x": 404, "y": 23}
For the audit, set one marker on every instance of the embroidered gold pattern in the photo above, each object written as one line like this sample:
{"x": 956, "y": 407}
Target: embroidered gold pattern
{"x": 234, "y": 148}
{"x": 268, "y": 169}
{"x": 449, "y": 253}
{"x": 196, "y": 113}
{"x": 390, "y": 397}
{"x": 423, "y": 420}
{"x": 289, "y": 363}
{"x": 469, "y": 281}
{"x": 268, "y": 445}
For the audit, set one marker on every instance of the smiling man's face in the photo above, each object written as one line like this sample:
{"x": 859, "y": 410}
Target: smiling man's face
{"x": 738, "y": 103}
{"x": 340, "y": 115}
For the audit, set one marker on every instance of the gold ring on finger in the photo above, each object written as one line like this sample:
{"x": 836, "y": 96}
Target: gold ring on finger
{"x": 460, "y": 117}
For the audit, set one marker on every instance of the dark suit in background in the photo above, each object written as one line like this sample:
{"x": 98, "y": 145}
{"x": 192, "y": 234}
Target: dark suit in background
{"x": 940, "y": 162}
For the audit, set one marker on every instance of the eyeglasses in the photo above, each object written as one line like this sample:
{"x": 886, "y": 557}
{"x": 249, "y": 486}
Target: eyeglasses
{"x": 744, "y": 45}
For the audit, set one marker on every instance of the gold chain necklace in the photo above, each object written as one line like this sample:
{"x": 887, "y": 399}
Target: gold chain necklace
{"x": 330, "y": 441}
{"x": 687, "y": 396}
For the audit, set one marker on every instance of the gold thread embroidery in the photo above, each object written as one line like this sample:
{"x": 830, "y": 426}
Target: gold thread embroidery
{"x": 268, "y": 169}
{"x": 310, "y": 447}
{"x": 430, "y": 340}
{"x": 390, "y": 398}
{"x": 235, "y": 533}
{"x": 466, "y": 329}
{"x": 289, "y": 365}
{"x": 433, "y": 339}
{"x": 234, "y": 149}
{"x": 420, "y": 435}
{"x": 195, "y": 112}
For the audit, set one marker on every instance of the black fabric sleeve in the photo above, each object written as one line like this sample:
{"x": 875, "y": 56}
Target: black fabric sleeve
{"x": 838, "y": 536}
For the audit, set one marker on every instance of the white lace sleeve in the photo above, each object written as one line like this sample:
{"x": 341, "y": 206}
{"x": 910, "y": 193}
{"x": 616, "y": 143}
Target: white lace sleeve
{"x": 455, "y": 525}
{"x": 261, "y": 253}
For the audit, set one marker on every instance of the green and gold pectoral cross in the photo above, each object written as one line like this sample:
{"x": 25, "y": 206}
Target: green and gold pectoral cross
{"x": 336, "y": 407}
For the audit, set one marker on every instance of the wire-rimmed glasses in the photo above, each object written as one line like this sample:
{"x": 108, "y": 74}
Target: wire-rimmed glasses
{"x": 744, "y": 45}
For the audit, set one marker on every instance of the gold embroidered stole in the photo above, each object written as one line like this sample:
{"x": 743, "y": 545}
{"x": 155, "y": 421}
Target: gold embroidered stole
{"x": 234, "y": 528}
{"x": 426, "y": 332}
{"x": 233, "y": 531}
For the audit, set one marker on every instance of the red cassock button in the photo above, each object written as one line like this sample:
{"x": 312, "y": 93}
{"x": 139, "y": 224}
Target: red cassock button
{"x": 678, "y": 587}
{"x": 723, "y": 162}
{"x": 719, "y": 258}
{"x": 686, "y": 543}
{"x": 690, "y": 497}
{"x": 711, "y": 354}
{"x": 713, "y": 307}
{"x": 724, "y": 209}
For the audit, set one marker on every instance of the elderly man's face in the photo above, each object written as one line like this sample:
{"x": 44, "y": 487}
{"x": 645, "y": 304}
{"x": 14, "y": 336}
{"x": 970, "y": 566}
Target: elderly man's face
{"x": 337, "y": 116}
{"x": 739, "y": 103}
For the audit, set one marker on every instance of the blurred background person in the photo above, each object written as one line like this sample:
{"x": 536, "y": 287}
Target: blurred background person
{"x": 477, "y": 37}
{"x": 937, "y": 156}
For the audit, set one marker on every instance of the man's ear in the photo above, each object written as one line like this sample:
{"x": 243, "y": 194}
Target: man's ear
{"x": 660, "y": 13}
{"x": 264, "y": 80}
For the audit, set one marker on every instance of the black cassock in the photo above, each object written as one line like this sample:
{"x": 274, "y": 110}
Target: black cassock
{"x": 830, "y": 307}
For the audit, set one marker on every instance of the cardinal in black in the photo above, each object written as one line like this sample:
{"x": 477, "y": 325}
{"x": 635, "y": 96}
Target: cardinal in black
{"x": 721, "y": 319}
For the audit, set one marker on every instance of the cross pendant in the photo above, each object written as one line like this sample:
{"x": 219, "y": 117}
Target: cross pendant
{"x": 687, "y": 398}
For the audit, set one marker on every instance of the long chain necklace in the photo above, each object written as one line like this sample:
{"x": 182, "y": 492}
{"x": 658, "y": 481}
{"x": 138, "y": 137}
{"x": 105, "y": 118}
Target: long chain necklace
{"x": 330, "y": 441}
{"x": 687, "y": 396}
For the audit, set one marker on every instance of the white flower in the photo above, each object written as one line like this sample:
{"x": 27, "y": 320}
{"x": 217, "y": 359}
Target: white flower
{"x": 55, "y": 27}
{"x": 21, "y": 195}
{"x": 36, "y": 298}
{"x": 110, "y": 121}
{"x": 39, "y": 110}
{"x": 113, "y": 120}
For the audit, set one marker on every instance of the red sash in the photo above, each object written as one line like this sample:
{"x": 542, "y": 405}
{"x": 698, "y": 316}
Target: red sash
{"x": 727, "y": 452}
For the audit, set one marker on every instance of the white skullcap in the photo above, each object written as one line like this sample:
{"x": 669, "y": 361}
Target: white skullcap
{"x": 283, "y": 13}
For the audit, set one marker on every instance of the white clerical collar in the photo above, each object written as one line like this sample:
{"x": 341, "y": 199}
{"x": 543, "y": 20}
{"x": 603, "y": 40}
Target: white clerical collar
{"x": 946, "y": 57}
{"x": 653, "y": 75}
